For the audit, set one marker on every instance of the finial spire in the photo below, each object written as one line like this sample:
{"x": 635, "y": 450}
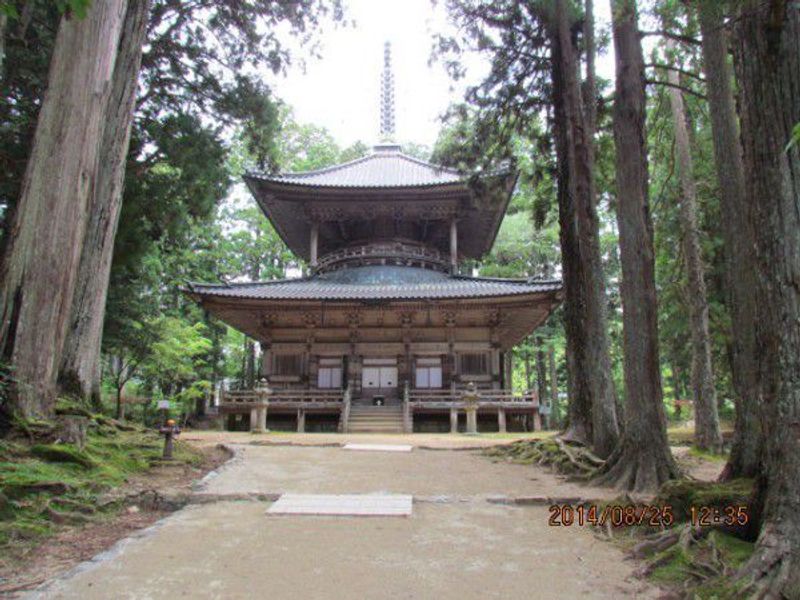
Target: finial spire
{"x": 387, "y": 95}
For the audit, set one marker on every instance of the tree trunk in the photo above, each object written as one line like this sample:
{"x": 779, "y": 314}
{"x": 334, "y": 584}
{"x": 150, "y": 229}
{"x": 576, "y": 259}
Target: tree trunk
{"x": 39, "y": 267}
{"x": 3, "y": 27}
{"x": 766, "y": 47}
{"x": 120, "y": 412}
{"x": 80, "y": 366}
{"x": 642, "y": 461}
{"x": 592, "y": 412}
{"x": 541, "y": 379}
{"x": 706, "y": 431}
{"x": 589, "y": 84}
{"x": 555, "y": 402}
{"x": 738, "y": 234}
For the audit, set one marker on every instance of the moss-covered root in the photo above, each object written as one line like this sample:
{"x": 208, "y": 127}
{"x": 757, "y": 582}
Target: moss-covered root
{"x": 696, "y": 561}
{"x": 568, "y": 458}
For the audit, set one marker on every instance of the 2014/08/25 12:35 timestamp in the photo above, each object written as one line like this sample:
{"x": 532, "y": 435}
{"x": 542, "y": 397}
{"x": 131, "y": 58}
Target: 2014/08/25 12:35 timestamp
{"x": 618, "y": 515}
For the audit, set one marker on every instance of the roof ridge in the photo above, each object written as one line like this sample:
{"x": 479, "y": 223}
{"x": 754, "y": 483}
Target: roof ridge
{"x": 434, "y": 166}
{"x": 319, "y": 171}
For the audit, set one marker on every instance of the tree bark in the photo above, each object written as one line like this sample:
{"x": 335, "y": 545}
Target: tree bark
{"x": 3, "y": 27}
{"x": 766, "y": 45}
{"x": 39, "y": 267}
{"x": 541, "y": 379}
{"x": 80, "y": 366}
{"x": 592, "y": 408}
{"x": 590, "y": 84}
{"x": 706, "y": 430}
{"x": 737, "y": 231}
{"x": 642, "y": 461}
{"x": 555, "y": 403}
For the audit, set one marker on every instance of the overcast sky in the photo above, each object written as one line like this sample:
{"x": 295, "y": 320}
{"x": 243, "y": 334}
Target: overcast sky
{"x": 341, "y": 90}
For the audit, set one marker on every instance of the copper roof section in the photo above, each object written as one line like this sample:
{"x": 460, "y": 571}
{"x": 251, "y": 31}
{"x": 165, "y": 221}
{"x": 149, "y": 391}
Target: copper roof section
{"x": 387, "y": 167}
{"x": 377, "y": 283}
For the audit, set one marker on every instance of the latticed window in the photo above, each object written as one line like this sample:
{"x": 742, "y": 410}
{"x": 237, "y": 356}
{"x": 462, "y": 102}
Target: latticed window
{"x": 474, "y": 363}
{"x": 287, "y": 364}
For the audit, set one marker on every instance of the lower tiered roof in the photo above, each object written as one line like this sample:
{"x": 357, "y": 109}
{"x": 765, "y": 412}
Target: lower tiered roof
{"x": 377, "y": 283}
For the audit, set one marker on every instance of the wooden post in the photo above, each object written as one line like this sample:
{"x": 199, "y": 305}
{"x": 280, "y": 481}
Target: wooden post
{"x": 301, "y": 420}
{"x": 314, "y": 244}
{"x": 453, "y": 420}
{"x": 537, "y": 421}
{"x": 501, "y": 420}
{"x": 453, "y": 245}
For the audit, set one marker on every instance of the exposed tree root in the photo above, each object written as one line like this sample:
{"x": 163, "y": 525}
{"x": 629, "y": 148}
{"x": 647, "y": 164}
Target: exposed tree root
{"x": 637, "y": 468}
{"x": 565, "y": 457}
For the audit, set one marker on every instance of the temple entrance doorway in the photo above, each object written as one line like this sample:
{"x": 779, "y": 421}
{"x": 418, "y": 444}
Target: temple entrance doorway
{"x": 379, "y": 380}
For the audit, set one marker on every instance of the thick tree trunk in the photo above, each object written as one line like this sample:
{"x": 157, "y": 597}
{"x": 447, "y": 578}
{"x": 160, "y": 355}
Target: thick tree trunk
{"x": 592, "y": 413}
{"x": 766, "y": 46}
{"x": 38, "y": 272}
{"x": 590, "y": 84}
{"x": 80, "y": 366}
{"x": 642, "y": 461}
{"x": 706, "y": 432}
{"x": 555, "y": 402}
{"x": 737, "y": 231}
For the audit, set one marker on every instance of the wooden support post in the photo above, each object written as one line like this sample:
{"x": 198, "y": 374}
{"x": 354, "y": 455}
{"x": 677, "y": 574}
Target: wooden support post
{"x": 301, "y": 420}
{"x": 453, "y": 420}
{"x": 314, "y": 244}
{"x": 501, "y": 420}
{"x": 453, "y": 246}
{"x": 537, "y": 421}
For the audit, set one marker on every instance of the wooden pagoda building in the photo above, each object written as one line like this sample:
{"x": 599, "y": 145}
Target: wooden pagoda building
{"x": 384, "y": 333}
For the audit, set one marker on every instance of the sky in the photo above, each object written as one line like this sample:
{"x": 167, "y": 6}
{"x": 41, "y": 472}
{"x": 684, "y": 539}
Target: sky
{"x": 341, "y": 90}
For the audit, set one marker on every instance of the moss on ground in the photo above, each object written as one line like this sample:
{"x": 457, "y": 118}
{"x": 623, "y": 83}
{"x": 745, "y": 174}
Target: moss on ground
{"x": 683, "y": 494}
{"x": 43, "y": 485}
{"x": 703, "y": 570}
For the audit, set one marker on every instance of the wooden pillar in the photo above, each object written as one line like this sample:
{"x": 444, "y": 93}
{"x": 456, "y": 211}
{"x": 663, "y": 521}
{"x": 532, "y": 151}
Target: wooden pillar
{"x": 301, "y": 420}
{"x": 314, "y": 244}
{"x": 453, "y": 420}
{"x": 501, "y": 420}
{"x": 537, "y": 421}
{"x": 453, "y": 246}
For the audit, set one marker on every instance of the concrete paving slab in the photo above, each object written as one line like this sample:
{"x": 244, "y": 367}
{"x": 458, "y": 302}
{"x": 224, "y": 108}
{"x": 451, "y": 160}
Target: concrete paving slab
{"x": 379, "y": 447}
{"x": 343, "y": 505}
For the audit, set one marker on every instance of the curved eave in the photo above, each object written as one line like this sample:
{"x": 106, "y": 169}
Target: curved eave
{"x": 269, "y": 191}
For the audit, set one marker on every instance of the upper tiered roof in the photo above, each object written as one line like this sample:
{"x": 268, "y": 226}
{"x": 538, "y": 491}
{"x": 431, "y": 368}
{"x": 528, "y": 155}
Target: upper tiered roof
{"x": 386, "y": 167}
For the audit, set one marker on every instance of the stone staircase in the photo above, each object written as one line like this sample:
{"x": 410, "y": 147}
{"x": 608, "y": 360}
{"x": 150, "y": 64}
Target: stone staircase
{"x": 375, "y": 419}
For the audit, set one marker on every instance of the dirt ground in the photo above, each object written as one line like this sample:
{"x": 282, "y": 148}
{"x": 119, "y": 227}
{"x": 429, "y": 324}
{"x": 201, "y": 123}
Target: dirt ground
{"x": 459, "y": 543}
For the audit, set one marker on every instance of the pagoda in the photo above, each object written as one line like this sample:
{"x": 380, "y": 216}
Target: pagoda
{"x": 384, "y": 333}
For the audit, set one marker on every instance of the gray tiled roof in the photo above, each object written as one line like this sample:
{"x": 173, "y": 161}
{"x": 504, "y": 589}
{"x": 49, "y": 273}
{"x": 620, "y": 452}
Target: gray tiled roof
{"x": 372, "y": 286}
{"x": 386, "y": 167}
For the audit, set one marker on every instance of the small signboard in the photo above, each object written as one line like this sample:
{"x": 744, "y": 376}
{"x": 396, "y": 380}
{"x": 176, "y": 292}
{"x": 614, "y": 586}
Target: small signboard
{"x": 163, "y": 404}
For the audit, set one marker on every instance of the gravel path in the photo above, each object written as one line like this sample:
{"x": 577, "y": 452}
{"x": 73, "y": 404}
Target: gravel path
{"x": 458, "y": 544}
